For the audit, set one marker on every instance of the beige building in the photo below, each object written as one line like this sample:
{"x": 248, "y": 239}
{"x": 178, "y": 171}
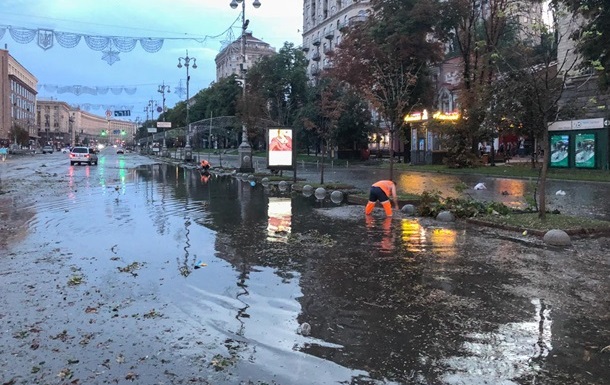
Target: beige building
{"x": 229, "y": 60}
{"x": 323, "y": 21}
{"x": 17, "y": 98}
{"x": 61, "y": 125}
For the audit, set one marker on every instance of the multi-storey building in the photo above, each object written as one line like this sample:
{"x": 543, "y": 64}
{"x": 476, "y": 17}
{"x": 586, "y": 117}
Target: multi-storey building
{"x": 323, "y": 23}
{"x": 61, "y": 125}
{"x": 229, "y": 61}
{"x": 17, "y": 98}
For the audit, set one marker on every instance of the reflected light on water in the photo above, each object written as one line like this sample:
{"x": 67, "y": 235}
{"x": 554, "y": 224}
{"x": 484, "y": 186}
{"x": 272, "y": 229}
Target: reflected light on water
{"x": 514, "y": 350}
{"x": 417, "y": 238}
{"x": 279, "y": 223}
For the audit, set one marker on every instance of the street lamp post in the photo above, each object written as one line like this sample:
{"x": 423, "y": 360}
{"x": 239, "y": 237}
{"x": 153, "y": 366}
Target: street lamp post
{"x": 71, "y": 119}
{"x": 244, "y": 150}
{"x": 163, "y": 89}
{"x": 188, "y": 152}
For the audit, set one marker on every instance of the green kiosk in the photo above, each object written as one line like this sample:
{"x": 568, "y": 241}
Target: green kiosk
{"x": 579, "y": 143}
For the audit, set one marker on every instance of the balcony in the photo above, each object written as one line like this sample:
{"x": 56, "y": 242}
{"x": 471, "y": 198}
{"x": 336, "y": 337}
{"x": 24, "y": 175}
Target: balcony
{"x": 315, "y": 71}
{"x": 329, "y": 35}
{"x": 316, "y": 42}
{"x": 355, "y": 20}
{"x": 305, "y": 49}
{"x": 343, "y": 26}
{"x": 327, "y": 50}
{"x": 316, "y": 56}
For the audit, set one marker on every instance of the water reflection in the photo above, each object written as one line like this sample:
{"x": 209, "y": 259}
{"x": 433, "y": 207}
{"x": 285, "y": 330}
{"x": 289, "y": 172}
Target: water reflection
{"x": 418, "y": 238}
{"x": 280, "y": 219}
{"x": 514, "y": 350}
{"x": 388, "y": 300}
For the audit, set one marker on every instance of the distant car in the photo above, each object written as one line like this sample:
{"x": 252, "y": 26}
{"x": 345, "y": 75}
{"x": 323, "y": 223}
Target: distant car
{"x": 83, "y": 155}
{"x": 120, "y": 151}
{"x": 47, "y": 150}
{"x": 65, "y": 150}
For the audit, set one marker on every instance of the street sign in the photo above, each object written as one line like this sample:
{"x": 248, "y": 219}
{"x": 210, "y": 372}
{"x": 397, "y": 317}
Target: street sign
{"x": 116, "y": 132}
{"x": 122, "y": 113}
{"x": 152, "y": 130}
{"x": 164, "y": 124}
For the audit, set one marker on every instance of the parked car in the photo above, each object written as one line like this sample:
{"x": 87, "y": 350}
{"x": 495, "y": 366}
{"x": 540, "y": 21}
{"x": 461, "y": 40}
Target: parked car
{"x": 47, "y": 150}
{"x": 83, "y": 155}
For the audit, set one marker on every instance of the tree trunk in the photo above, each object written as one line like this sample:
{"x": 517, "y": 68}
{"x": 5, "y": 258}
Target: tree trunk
{"x": 322, "y": 165}
{"x": 391, "y": 151}
{"x": 543, "y": 172}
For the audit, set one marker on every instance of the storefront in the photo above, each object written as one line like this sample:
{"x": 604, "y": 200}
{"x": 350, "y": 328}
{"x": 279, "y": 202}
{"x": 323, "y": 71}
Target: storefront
{"x": 579, "y": 144}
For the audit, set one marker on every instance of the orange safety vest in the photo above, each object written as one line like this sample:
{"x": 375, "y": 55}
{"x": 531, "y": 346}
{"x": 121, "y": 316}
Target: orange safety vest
{"x": 386, "y": 186}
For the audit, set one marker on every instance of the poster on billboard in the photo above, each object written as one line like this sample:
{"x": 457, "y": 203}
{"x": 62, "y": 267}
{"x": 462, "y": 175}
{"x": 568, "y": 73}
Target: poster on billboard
{"x": 560, "y": 145}
{"x": 585, "y": 151}
{"x": 280, "y": 148}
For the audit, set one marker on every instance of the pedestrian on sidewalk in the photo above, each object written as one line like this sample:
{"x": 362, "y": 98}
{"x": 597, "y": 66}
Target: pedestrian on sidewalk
{"x": 382, "y": 191}
{"x": 3, "y": 153}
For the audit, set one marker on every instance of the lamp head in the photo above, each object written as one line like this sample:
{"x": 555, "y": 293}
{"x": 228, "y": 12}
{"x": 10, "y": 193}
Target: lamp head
{"x": 233, "y": 4}
{"x": 179, "y": 63}
{"x": 194, "y": 63}
{"x": 256, "y": 3}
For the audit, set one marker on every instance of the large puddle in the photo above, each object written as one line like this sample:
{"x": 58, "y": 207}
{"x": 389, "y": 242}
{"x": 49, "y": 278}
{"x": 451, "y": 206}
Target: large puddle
{"x": 170, "y": 275}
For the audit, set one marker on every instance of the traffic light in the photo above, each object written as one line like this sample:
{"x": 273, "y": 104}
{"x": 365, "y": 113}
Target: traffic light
{"x": 123, "y": 133}
{"x": 104, "y": 133}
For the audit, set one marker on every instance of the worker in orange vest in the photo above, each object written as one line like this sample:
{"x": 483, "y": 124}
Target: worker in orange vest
{"x": 382, "y": 191}
{"x": 205, "y": 165}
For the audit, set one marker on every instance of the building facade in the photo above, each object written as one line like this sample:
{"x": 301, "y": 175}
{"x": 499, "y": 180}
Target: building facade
{"x": 17, "y": 98}
{"x": 323, "y": 23}
{"x": 229, "y": 60}
{"x": 61, "y": 125}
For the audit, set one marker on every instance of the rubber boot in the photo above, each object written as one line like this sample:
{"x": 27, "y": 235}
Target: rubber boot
{"x": 387, "y": 207}
{"x": 369, "y": 208}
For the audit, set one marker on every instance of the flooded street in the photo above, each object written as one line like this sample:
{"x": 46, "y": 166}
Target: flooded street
{"x": 144, "y": 272}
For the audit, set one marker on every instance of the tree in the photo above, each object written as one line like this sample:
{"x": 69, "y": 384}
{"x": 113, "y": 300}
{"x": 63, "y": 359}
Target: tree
{"x": 592, "y": 37}
{"x": 322, "y": 114}
{"x": 386, "y": 59}
{"x": 281, "y": 80}
{"x": 484, "y": 32}
{"x": 535, "y": 83}
{"x": 19, "y": 134}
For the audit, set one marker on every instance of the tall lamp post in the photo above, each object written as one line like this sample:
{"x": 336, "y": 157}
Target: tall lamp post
{"x": 188, "y": 152}
{"x": 244, "y": 150}
{"x": 163, "y": 89}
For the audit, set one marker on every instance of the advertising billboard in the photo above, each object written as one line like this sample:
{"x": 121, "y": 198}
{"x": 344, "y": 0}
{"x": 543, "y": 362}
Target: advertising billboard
{"x": 585, "y": 151}
{"x": 560, "y": 146}
{"x": 280, "y": 145}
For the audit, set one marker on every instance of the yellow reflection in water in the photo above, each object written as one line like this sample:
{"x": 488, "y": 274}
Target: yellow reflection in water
{"x": 514, "y": 188}
{"x": 418, "y": 239}
{"x": 443, "y": 242}
{"x": 413, "y": 235}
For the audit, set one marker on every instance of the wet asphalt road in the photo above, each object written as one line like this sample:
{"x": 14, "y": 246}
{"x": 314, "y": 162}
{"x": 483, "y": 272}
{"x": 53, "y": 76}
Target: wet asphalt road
{"x": 134, "y": 271}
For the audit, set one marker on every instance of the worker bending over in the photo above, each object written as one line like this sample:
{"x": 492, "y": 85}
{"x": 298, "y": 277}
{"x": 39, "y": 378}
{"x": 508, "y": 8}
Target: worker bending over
{"x": 382, "y": 191}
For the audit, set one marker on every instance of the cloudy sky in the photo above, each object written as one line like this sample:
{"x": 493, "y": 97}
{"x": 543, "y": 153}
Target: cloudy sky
{"x": 199, "y": 26}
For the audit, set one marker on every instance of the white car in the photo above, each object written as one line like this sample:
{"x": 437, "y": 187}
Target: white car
{"x": 65, "y": 150}
{"x": 83, "y": 155}
{"x": 47, "y": 150}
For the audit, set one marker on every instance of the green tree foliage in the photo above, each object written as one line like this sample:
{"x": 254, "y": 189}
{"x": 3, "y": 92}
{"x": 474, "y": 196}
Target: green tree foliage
{"x": 281, "y": 80}
{"x": 386, "y": 59}
{"x": 594, "y": 36}
{"x": 322, "y": 113}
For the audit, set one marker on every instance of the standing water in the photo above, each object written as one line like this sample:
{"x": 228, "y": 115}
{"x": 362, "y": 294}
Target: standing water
{"x": 161, "y": 275}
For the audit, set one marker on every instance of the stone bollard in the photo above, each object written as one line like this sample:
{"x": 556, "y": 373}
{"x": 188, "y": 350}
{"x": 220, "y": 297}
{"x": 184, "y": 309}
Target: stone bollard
{"x": 445, "y": 216}
{"x": 408, "y": 209}
{"x": 557, "y": 238}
